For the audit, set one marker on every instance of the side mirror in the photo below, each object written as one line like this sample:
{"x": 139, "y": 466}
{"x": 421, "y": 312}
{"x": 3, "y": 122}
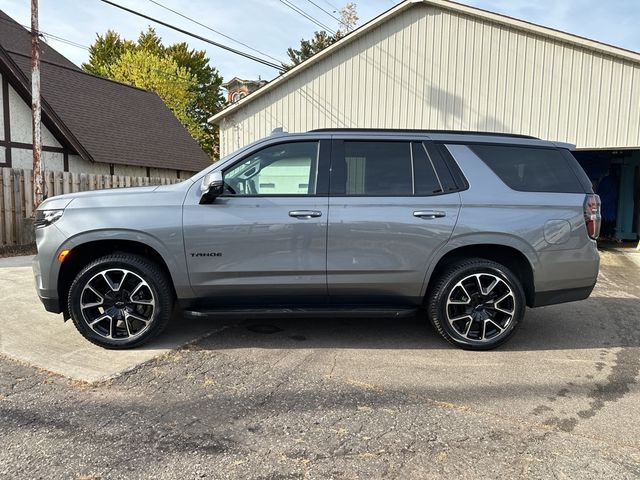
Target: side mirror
{"x": 212, "y": 187}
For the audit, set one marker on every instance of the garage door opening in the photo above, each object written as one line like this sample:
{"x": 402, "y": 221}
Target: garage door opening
{"x": 615, "y": 175}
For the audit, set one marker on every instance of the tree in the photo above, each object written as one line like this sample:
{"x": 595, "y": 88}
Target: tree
{"x": 348, "y": 17}
{"x": 182, "y": 78}
{"x": 322, "y": 39}
{"x": 105, "y": 51}
{"x": 308, "y": 48}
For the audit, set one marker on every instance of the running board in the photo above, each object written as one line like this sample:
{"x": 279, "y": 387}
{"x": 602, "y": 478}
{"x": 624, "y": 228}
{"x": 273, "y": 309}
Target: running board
{"x": 317, "y": 312}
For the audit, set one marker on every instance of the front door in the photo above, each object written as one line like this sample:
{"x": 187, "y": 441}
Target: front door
{"x": 264, "y": 240}
{"x": 392, "y": 206}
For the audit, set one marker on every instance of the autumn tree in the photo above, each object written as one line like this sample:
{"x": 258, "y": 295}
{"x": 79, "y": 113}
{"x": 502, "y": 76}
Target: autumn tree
{"x": 322, "y": 39}
{"x": 182, "y": 78}
{"x": 348, "y": 18}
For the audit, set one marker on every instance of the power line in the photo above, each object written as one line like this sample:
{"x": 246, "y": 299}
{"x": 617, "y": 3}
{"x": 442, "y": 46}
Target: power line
{"x": 328, "y": 13}
{"x": 83, "y": 72}
{"x": 305, "y": 15}
{"x": 298, "y": 10}
{"x": 21, "y": 27}
{"x": 199, "y": 37}
{"x": 64, "y": 40}
{"x": 335, "y": 9}
{"x": 213, "y": 30}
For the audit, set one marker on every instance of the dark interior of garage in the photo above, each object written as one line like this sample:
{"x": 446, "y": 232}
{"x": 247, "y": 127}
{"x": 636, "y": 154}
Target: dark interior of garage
{"x": 615, "y": 175}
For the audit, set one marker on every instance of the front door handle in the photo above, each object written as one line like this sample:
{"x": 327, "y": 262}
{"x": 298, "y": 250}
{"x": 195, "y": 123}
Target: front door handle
{"x": 429, "y": 214}
{"x": 305, "y": 213}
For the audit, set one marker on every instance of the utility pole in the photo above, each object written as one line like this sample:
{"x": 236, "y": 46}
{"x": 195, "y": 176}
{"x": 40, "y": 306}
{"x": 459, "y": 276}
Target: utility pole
{"x": 38, "y": 194}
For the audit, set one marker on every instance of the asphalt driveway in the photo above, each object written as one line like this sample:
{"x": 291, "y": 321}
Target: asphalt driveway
{"x": 350, "y": 399}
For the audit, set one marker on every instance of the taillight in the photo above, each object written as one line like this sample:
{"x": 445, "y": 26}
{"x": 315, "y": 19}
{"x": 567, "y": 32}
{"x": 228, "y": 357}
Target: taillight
{"x": 592, "y": 217}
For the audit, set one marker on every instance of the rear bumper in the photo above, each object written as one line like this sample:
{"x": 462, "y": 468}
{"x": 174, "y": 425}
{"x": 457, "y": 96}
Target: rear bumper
{"x": 553, "y": 297}
{"x": 566, "y": 275}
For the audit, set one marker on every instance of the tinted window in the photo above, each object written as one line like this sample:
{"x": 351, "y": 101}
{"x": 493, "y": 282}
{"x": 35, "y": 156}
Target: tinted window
{"x": 426, "y": 181}
{"x": 448, "y": 170}
{"x": 372, "y": 168}
{"x": 579, "y": 171}
{"x": 530, "y": 169}
{"x": 284, "y": 169}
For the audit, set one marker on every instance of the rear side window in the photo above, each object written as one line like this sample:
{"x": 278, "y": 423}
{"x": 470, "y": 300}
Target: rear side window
{"x": 426, "y": 181}
{"x": 391, "y": 169}
{"x": 373, "y": 168}
{"x": 530, "y": 169}
{"x": 448, "y": 171}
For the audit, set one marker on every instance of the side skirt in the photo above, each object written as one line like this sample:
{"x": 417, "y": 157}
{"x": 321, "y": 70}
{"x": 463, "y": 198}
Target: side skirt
{"x": 303, "y": 312}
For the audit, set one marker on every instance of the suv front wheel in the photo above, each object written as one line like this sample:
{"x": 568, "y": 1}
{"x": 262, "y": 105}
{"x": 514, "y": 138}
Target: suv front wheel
{"x": 477, "y": 304}
{"x": 120, "y": 301}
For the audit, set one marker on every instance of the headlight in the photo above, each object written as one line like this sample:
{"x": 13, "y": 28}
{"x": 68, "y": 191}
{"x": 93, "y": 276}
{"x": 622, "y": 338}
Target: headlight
{"x": 46, "y": 217}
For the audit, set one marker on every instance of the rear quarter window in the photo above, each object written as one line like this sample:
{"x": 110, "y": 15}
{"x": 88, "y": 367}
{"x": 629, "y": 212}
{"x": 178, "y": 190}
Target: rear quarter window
{"x": 530, "y": 169}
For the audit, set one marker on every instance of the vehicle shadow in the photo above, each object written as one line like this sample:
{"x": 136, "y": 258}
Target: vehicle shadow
{"x": 600, "y": 322}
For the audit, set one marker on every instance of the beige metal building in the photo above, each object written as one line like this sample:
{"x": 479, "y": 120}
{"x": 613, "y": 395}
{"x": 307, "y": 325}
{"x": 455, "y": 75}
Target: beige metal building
{"x": 435, "y": 64}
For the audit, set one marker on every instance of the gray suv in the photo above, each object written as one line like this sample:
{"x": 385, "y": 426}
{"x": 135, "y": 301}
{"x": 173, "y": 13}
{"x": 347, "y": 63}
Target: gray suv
{"x": 468, "y": 228}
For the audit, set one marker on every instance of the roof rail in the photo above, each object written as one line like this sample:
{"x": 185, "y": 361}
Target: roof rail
{"x": 402, "y": 130}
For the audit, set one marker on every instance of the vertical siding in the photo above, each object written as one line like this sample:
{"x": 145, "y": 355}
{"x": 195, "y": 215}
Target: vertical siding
{"x": 431, "y": 68}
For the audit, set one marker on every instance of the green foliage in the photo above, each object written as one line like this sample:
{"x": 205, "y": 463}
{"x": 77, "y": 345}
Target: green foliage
{"x": 322, "y": 39}
{"x": 105, "y": 51}
{"x": 309, "y": 48}
{"x": 182, "y": 78}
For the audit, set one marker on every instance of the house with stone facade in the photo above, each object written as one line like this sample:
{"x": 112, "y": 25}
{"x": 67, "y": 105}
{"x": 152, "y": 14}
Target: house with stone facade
{"x": 89, "y": 124}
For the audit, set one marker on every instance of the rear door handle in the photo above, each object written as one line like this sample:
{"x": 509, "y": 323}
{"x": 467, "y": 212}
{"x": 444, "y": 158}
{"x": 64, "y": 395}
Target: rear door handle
{"x": 305, "y": 213}
{"x": 429, "y": 214}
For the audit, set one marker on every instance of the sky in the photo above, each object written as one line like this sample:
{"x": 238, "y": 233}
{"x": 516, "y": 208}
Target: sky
{"x": 271, "y": 27}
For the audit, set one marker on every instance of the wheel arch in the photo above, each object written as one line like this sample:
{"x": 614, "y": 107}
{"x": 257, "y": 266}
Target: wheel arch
{"x": 81, "y": 254}
{"x": 505, "y": 253}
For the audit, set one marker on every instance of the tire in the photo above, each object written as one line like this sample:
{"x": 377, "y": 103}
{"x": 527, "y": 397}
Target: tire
{"x": 472, "y": 312}
{"x": 120, "y": 301}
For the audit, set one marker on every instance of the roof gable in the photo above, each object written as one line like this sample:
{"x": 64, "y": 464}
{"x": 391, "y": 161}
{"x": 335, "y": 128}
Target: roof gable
{"x": 105, "y": 121}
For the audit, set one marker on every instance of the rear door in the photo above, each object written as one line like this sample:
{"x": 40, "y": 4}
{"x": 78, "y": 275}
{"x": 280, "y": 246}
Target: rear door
{"x": 392, "y": 204}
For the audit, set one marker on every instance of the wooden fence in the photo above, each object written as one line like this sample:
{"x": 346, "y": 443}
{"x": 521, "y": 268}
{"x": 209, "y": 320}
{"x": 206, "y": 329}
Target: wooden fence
{"x": 16, "y": 203}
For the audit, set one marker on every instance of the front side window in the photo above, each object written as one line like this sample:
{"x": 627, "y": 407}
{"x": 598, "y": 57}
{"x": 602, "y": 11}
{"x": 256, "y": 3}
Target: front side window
{"x": 283, "y": 169}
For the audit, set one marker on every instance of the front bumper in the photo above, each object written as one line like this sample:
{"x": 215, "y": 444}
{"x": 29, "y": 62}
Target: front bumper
{"x": 51, "y": 305}
{"x": 48, "y": 297}
{"x": 46, "y": 267}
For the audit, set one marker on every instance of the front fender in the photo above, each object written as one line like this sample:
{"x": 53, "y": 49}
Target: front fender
{"x": 172, "y": 253}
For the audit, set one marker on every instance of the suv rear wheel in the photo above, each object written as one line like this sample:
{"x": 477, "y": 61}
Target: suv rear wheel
{"x": 477, "y": 304}
{"x": 120, "y": 301}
